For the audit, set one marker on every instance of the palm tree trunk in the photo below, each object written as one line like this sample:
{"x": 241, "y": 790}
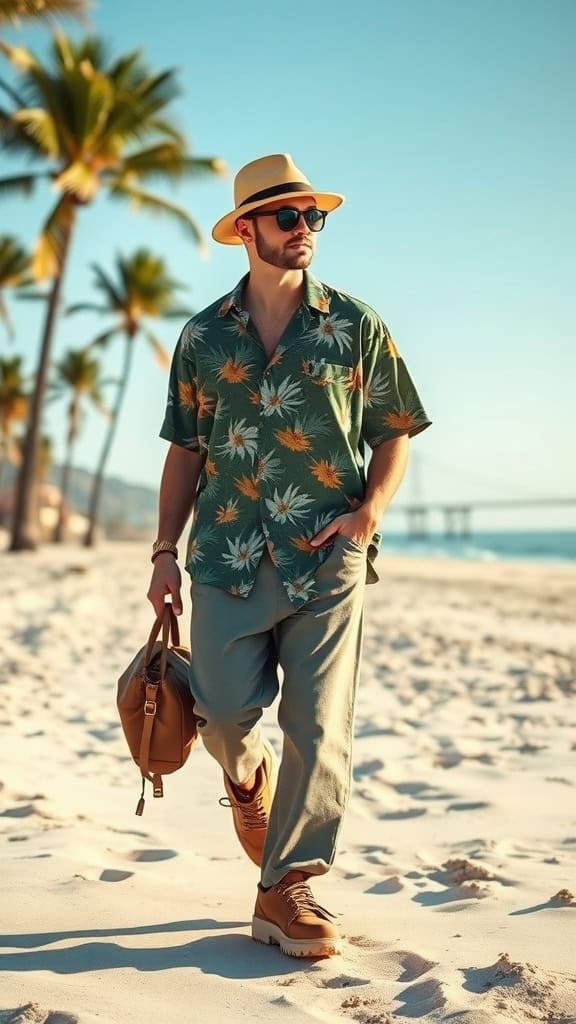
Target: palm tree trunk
{"x": 25, "y": 525}
{"x": 110, "y": 434}
{"x": 3, "y": 467}
{"x": 65, "y": 477}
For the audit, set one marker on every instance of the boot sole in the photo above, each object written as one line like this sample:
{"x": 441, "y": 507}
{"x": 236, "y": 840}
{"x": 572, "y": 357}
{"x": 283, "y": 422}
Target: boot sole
{"x": 271, "y": 935}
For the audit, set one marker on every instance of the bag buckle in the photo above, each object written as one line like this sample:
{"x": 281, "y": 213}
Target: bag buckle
{"x": 149, "y": 707}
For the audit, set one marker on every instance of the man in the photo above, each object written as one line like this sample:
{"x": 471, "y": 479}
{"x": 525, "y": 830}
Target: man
{"x": 275, "y": 391}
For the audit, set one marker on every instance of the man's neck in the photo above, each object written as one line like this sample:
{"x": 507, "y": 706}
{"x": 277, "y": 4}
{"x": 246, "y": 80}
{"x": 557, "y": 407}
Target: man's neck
{"x": 271, "y": 291}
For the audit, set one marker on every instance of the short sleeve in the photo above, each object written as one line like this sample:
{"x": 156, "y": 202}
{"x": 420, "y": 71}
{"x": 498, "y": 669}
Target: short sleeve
{"x": 392, "y": 406}
{"x": 180, "y": 424}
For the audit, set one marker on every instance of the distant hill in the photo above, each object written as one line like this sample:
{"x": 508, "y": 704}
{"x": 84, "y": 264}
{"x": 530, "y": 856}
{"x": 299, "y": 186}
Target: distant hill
{"x": 124, "y": 507}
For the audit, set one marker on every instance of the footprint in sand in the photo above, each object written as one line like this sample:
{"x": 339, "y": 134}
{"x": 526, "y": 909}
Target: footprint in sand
{"x": 380, "y": 961}
{"x": 149, "y": 856}
{"x": 112, "y": 875}
{"x": 412, "y": 812}
{"x": 386, "y": 888}
{"x": 27, "y": 810}
{"x": 107, "y": 734}
{"x": 423, "y": 791}
{"x": 457, "y": 870}
{"x": 462, "y": 879}
{"x": 421, "y": 999}
{"x": 342, "y": 981}
{"x": 31, "y": 1013}
{"x": 478, "y": 805}
{"x": 523, "y": 989}
{"x": 367, "y": 768}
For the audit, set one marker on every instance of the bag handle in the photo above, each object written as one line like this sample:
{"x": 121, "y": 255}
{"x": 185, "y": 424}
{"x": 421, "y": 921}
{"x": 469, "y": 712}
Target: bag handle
{"x": 168, "y": 623}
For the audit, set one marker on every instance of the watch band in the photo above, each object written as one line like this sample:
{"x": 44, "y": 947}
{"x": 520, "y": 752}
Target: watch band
{"x": 160, "y": 546}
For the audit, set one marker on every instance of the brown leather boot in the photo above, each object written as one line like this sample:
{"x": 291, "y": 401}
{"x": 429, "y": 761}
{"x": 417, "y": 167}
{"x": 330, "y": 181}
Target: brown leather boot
{"x": 251, "y": 811}
{"x": 288, "y": 916}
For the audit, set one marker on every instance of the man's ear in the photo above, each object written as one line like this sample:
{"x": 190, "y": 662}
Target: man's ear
{"x": 243, "y": 229}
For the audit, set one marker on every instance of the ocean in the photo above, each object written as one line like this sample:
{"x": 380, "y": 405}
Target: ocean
{"x": 493, "y": 546}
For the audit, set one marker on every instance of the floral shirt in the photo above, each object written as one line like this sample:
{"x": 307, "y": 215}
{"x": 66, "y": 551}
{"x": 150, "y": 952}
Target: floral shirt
{"x": 283, "y": 438}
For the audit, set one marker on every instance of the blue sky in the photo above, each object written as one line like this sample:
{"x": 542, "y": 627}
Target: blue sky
{"x": 449, "y": 127}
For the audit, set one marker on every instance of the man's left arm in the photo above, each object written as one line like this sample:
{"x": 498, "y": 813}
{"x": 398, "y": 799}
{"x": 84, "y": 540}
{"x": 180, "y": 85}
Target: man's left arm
{"x": 384, "y": 476}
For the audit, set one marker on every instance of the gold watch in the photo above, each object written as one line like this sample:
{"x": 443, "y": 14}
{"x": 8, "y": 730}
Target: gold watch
{"x": 159, "y": 546}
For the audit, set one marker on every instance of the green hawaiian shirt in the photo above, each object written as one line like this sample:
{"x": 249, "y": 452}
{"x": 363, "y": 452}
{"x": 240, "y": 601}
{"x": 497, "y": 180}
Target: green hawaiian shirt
{"x": 283, "y": 438}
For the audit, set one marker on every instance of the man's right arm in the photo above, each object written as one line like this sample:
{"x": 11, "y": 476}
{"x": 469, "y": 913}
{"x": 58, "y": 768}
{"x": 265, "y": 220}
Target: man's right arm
{"x": 177, "y": 492}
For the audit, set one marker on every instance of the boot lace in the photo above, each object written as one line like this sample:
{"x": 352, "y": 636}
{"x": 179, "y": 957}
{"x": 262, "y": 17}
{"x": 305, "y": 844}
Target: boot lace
{"x": 300, "y": 899}
{"x": 253, "y": 814}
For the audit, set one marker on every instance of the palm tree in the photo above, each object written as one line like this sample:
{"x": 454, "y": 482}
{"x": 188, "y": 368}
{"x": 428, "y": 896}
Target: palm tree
{"x": 14, "y": 272}
{"x": 79, "y": 373}
{"x": 13, "y": 407}
{"x": 143, "y": 289}
{"x": 20, "y": 10}
{"x": 99, "y": 125}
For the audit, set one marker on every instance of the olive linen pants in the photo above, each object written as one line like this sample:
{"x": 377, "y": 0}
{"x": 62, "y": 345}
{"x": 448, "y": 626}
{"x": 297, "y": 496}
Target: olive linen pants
{"x": 237, "y": 646}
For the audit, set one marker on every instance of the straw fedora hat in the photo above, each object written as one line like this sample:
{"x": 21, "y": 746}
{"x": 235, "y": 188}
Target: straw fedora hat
{"x": 264, "y": 181}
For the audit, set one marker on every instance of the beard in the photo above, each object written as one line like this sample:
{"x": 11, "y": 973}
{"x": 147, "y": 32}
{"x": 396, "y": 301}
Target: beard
{"x": 283, "y": 256}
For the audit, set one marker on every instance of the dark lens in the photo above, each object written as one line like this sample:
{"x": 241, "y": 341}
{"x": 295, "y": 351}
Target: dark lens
{"x": 314, "y": 219}
{"x": 287, "y": 218}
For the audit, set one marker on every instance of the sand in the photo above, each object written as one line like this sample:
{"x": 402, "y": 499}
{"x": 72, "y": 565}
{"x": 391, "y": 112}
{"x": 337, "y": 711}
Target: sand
{"x": 455, "y": 881}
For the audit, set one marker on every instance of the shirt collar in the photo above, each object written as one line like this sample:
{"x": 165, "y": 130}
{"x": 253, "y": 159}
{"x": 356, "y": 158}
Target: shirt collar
{"x": 316, "y": 296}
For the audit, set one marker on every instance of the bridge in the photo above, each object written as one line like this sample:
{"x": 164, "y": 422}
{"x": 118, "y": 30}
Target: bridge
{"x": 456, "y": 515}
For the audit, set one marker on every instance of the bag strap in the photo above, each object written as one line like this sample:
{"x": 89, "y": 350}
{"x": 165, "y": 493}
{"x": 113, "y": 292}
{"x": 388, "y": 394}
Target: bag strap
{"x": 168, "y": 624}
{"x": 150, "y": 711}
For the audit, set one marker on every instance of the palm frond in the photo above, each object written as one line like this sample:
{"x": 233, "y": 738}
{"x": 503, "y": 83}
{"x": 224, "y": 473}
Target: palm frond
{"x": 20, "y": 58}
{"x": 16, "y": 97}
{"x": 5, "y": 318}
{"x": 158, "y": 91}
{"x": 176, "y": 313}
{"x": 48, "y": 251}
{"x": 85, "y": 307}
{"x": 23, "y": 183}
{"x": 102, "y": 339}
{"x": 14, "y": 263}
{"x": 105, "y": 284}
{"x": 39, "y": 126}
{"x": 162, "y": 356}
{"x": 31, "y": 296}
{"x": 169, "y": 160}
{"x": 127, "y": 69}
{"x": 161, "y": 126}
{"x": 155, "y": 204}
{"x": 19, "y": 10}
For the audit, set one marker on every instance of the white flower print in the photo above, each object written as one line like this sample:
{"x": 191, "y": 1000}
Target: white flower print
{"x": 300, "y": 588}
{"x": 241, "y": 553}
{"x": 195, "y": 550}
{"x": 376, "y": 389}
{"x": 269, "y": 468}
{"x": 290, "y": 506}
{"x": 281, "y": 399}
{"x": 242, "y": 440}
{"x": 332, "y": 331}
{"x": 240, "y": 589}
{"x": 193, "y": 332}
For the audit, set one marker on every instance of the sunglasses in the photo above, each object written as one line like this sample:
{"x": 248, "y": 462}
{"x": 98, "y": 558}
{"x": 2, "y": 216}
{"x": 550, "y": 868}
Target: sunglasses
{"x": 288, "y": 217}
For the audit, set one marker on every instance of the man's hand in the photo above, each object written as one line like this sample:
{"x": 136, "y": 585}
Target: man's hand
{"x": 166, "y": 579}
{"x": 358, "y": 526}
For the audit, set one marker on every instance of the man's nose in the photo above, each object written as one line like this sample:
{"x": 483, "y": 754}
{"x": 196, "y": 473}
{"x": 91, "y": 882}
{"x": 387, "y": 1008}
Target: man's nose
{"x": 301, "y": 225}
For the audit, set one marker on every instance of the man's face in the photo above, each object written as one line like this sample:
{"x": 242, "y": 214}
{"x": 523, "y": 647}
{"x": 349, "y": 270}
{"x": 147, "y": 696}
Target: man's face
{"x": 288, "y": 250}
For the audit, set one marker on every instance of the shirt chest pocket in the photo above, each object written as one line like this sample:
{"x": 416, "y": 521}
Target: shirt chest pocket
{"x": 322, "y": 374}
{"x": 328, "y": 387}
